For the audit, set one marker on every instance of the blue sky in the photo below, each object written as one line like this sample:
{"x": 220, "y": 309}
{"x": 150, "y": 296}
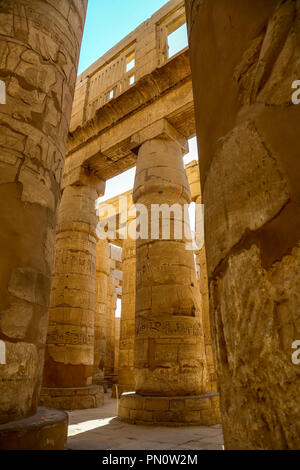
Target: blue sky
{"x": 109, "y": 21}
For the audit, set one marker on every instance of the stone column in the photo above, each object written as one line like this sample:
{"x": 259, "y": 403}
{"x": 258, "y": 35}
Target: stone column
{"x": 102, "y": 272}
{"x": 203, "y": 287}
{"x": 68, "y": 371}
{"x": 109, "y": 350}
{"x": 39, "y": 52}
{"x": 248, "y": 139}
{"x": 115, "y": 387}
{"x": 117, "y": 346}
{"x": 113, "y": 333}
{"x": 170, "y": 366}
{"x": 126, "y": 361}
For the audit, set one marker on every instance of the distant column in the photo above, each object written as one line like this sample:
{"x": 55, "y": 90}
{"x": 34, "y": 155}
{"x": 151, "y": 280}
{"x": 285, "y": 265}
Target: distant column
{"x": 109, "y": 350}
{"x": 126, "y": 361}
{"x": 117, "y": 346}
{"x": 203, "y": 287}
{"x": 102, "y": 272}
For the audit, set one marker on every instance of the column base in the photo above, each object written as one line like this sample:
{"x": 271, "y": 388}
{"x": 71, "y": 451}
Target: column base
{"x": 79, "y": 398}
{"x": 126, "y": 389}
{"x": 200, "y": 410}
{"x": 46, "y": 430}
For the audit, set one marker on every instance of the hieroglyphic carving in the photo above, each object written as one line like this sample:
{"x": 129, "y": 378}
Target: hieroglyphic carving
{"x": 69, "y": 337}
{"x": 157, "y": 329}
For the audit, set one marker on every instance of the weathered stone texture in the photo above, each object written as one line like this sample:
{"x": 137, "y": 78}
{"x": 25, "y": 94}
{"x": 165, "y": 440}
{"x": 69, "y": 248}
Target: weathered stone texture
{"x": 39, "y": 50}
{"x": 248, "y": 139}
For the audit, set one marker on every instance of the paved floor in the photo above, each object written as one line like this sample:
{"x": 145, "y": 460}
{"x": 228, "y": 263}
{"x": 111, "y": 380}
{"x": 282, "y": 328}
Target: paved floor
{"x": 100, "y": 429}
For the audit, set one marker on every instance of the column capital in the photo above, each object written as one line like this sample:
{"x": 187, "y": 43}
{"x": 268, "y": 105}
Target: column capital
{"x": 82, "y": 176}
{"x": 160, "y": 167}
{"x": 159, "y": 129}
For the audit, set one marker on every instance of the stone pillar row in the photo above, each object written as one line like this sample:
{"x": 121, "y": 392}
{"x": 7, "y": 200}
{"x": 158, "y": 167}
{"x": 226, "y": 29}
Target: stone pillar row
{"x": 39, "y": 83}
{"x": 169, "y": 357}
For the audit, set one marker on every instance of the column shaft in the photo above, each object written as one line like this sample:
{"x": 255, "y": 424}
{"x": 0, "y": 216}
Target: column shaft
{"x": 169, "y": 343}
{"x": 70, "y": 343}
{"x": 126, "y": 361}
{"x": 39, "y": 85}
{"x": 110, "y": 326}
{"x": 102, "y": 272}
{"x": 248, "y": 140}
{"x": 203, "y": 287}
{"x": 117, "y": 347}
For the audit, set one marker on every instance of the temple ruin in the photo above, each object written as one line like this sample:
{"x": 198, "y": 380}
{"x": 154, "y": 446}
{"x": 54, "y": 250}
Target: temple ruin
{"x": 206, "y": 331}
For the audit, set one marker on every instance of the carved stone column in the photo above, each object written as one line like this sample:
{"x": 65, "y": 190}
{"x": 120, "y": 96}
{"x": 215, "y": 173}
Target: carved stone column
{"x": 68, "y": 371}
{"x": 115, "y": 385}
{"x": 245, "y": 59}
{"x": 113, "y": 333}
{"x": 102, "y": 272}
{"x": 117, "y": 346}
{"x": 203, "y": 287}
{"x": 126, "y": 360}
{"x": 39, "y": 50}
{"x": 170, "y": 366}
{"x": 110, "y": 316}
